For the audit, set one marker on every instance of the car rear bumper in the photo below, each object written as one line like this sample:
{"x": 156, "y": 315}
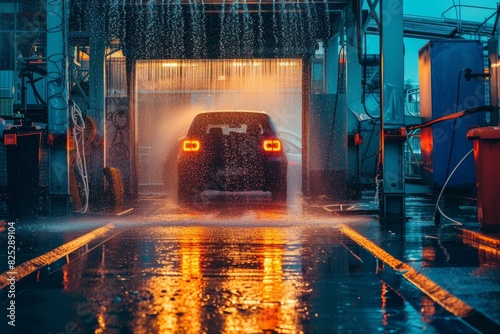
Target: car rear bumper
{"x": 203, "y": 176}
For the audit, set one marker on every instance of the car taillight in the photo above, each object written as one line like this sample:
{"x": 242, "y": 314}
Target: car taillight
{"x": 272, "y": 145}
{"x": 191, "y": 145}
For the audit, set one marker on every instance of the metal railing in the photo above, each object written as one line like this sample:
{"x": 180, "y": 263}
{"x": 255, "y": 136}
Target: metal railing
{"x": 412, "y": 102}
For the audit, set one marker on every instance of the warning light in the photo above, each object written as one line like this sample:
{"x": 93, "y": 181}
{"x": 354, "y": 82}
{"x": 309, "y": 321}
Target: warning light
{"x": 9, "y": 139}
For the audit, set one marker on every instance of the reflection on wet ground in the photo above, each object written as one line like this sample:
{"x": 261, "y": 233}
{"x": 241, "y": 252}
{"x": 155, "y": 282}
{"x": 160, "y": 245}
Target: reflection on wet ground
{"x": 228, "y": 269}
{"x": 445, "y": 252}
{"x": 253, "y": 267}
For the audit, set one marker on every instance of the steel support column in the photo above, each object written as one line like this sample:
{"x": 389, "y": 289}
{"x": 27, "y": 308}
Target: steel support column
{"x": 354, "y": 92}
{"x": 57, "y": 100}
{"x": 97, "y": 49}
{"x": 131, "y": 69}
{"x": 392, "y": 111}
{"x": 493, "y": 47}
{"x": 331, "y": 67}
{"x": 306, "y": 103}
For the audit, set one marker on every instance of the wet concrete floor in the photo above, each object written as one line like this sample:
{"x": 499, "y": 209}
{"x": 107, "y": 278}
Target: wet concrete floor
{"x": 228, "y": 267}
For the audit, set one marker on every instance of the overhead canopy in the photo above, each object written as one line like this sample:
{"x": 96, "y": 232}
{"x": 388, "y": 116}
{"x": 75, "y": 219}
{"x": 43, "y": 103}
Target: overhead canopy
{"x": 212, "y": 29}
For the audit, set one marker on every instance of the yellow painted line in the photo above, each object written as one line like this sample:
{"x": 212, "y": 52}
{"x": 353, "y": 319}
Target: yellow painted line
{"x": 426, "y": 285}
{"x": 484, "y": 250}
{"x": 124, "y": 212}
{"x": 480, "y": 238}
{"x": 33, "y": 265}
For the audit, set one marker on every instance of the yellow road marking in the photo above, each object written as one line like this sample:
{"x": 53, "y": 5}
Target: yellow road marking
{"x": 480, "y": 238}
{"x": 426, "y": 285}
{"x": 33, "y": 265}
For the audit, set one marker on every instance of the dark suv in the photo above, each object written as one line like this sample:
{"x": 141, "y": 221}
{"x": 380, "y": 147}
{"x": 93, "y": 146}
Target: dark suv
{"x": 232, "y": 151}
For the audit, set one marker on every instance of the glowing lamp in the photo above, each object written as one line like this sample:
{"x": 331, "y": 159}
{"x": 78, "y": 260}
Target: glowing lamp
{"x": 272, "y": 145}
{"x": 9, "y": 139}
{"x": 191, "y": 145}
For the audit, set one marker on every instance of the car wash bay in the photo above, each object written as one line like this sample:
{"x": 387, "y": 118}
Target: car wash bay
{"x": 153, "y": 90}
{"x": 171, "y": 92}
{"x": 319, "y": 262}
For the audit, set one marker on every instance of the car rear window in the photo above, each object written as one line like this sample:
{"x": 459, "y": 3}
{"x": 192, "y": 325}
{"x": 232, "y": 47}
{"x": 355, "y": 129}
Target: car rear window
{"x": 228, "y": 122}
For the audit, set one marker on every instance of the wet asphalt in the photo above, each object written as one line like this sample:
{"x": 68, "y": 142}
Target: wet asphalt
{"x": 251, "y": 266}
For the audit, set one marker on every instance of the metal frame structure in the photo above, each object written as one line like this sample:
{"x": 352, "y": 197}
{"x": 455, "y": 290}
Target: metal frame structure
{"x": 392, "y": 116}
{"x": 382, "y": 18}
{"x": 58, "y": 103}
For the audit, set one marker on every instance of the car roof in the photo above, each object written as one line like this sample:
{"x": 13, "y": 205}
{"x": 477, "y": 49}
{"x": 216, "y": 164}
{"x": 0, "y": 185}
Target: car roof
{"x": 203, "y": 118}
{"x": 233, "y": 110}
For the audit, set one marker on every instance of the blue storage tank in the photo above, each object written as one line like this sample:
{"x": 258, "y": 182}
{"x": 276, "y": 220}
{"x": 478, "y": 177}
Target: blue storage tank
{"x": 441, "y": 63}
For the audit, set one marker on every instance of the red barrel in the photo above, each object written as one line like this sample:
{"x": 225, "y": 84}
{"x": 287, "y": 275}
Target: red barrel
{"x": 487, "y": 163}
